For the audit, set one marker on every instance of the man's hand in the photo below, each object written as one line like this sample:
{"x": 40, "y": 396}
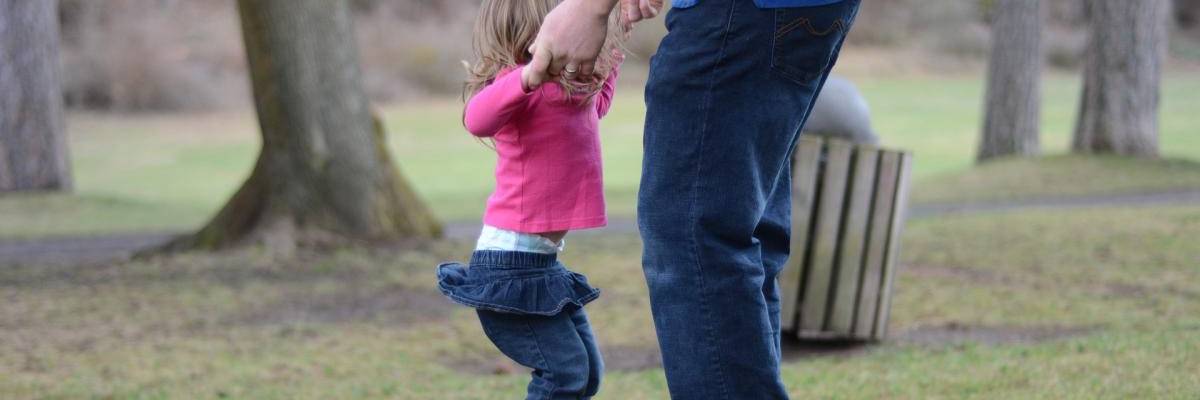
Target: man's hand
{"x": 637, "y": 10}
{"x": 570, "y": 40}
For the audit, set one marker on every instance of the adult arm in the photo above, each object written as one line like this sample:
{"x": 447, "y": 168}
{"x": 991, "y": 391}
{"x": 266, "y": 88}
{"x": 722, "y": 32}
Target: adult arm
{"x": 573, "y": 34}
{"x": 495, "y": 105}
{"x": 570, "y": 39}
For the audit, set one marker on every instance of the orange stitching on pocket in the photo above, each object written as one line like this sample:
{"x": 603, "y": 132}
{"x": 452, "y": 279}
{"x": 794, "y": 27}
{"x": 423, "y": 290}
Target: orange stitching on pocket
{"x": 790, "y": 26}
{"x": 840, "y": 24}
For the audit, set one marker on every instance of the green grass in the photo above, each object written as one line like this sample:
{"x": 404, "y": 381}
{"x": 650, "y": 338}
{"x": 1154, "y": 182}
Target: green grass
{"x": 1059, "y": 176}
{"x": 41, "y": 215}
{"x": 182, "y": 168}
{"x": 939, "y": 118}
{"x": 353, "y": 324}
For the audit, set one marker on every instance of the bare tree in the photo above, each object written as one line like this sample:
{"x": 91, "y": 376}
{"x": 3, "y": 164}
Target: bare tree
{"x": 324, "y": 172}
{"x": 33, "y": 148}
{"x": 1118, "y": 112}
{"x": 1012, "y": 103}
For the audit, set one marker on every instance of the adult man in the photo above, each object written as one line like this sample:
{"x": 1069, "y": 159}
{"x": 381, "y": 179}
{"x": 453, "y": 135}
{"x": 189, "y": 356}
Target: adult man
{"x": 730, "y": 87}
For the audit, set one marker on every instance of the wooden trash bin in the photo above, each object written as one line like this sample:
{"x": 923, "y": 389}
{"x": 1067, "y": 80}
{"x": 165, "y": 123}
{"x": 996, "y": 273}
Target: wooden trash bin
{"x": 848, "y": 206}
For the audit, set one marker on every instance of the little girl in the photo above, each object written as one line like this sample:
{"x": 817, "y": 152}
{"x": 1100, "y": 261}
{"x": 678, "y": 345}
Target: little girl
{"x": 548, "y": 182}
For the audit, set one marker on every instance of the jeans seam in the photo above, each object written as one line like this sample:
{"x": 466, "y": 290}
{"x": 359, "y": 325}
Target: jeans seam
{"x": 511, "y": 310}
{"x": 788, "y": 27}
{"x": 694, "y": 211}
{"x": 541, "y": 356}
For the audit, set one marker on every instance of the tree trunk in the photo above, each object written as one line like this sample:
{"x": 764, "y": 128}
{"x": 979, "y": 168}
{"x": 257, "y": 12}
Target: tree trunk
{"x": 324, "y": 173}
{"x": 1187, "y": 14}
{"x": 1012, "y": 102}
{"x": 1118, "y": 112}
{"x": 33, "y": 148}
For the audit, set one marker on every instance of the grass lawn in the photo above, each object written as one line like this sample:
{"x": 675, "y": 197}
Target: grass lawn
{"x": 147, "y": 172}
{"x": 1118, "y": 311}
{"x": 1059, "y": 176}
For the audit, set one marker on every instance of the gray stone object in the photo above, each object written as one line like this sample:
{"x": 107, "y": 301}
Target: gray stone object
{"x": 841, "y": 112}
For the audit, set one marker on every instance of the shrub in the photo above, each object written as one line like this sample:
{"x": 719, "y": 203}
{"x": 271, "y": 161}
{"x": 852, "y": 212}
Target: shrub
{"x": 405, "y": 57}
{"x": 883, "y": 23}
{"x": 131, "y": 55}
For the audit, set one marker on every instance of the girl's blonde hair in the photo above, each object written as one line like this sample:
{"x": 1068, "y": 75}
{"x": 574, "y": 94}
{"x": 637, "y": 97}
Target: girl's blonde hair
{"x": 503, "y": 33}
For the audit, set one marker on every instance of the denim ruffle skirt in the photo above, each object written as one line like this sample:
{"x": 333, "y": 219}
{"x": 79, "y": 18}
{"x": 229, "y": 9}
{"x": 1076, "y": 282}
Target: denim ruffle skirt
{"x": 515, "y": 282}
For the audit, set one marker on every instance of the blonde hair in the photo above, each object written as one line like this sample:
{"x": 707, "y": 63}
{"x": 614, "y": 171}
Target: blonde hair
{"x": 504, "y": 31}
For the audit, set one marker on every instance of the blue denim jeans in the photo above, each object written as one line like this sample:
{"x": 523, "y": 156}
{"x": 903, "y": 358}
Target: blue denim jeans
{"x": 531, "y": 307}
{"x": 560, "y": 349}
{"x": 730, "y": 87}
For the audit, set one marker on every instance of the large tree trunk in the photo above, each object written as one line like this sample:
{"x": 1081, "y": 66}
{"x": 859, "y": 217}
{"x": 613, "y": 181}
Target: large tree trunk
{"x": 324, "y": 173}
{"x": 1187, "y": 15}
{"x": 33, "y": 148}
{"x": 1118, "y": 112}
{"x": 1012, "y": 102}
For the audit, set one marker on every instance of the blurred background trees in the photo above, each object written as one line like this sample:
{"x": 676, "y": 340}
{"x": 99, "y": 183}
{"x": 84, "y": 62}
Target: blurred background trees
{"x": 33, "y": 150}
{"x": 1123, "y": 60}
{"x": 163, "y": 55}
{"x": 324, "y": 172}
{"x": 1013, "y": 99}
{"x": 130, "y": 55}
{"x": 1118, "y": 111}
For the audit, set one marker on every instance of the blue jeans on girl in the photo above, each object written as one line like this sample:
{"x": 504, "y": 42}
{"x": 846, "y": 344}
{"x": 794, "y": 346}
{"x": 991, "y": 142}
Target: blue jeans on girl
{"x": 531, "y": 307}
{"x": 730, "y": 87}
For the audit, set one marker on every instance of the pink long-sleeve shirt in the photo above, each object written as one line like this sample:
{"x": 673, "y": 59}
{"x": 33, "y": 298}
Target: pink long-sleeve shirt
{"x": 548, "y": 169}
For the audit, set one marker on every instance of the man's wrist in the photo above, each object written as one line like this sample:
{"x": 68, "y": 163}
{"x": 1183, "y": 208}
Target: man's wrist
{"x": 598, "y": 8}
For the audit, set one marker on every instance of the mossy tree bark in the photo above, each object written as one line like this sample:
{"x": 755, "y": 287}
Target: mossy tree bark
{"x": 324, "y": 173}
{"x": 1012, "y": 104}
{"x": 33, "y": 148}
{"x": 1118, "y": 112}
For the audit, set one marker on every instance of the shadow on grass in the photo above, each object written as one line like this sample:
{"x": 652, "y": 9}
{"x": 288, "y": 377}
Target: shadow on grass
{"x": 639, "y": 358}
{"x": 391, "y": 304}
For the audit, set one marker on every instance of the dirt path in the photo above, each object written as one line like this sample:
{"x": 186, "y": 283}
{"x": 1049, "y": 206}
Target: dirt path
{"x": 108, "y": 248}
{"x": 78, "y": 249}
{"x": 1181, "y": 197}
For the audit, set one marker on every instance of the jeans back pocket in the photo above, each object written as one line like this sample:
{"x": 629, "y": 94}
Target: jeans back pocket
{"x": 806, "y": 38}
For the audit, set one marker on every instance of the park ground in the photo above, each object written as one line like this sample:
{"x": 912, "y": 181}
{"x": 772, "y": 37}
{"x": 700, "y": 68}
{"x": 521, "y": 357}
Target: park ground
{"x": 1081, "y": 302}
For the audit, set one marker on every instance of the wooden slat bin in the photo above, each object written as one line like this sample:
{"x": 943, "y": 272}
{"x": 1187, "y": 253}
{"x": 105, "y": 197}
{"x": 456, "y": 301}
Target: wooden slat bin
{"x": 848, "y": 206}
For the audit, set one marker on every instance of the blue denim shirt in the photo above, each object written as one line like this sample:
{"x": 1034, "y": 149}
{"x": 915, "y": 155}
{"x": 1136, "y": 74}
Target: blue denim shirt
{"x": 764, "y": 3}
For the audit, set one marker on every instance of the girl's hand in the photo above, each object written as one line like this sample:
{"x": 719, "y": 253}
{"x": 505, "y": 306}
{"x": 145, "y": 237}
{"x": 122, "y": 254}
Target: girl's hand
{"x": 618, "y": 56}
{"x": 528, "y": 80}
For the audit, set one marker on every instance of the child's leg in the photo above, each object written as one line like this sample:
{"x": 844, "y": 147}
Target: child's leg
{"x": 550, "y": 345}
{"x": 595, "y": 361}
